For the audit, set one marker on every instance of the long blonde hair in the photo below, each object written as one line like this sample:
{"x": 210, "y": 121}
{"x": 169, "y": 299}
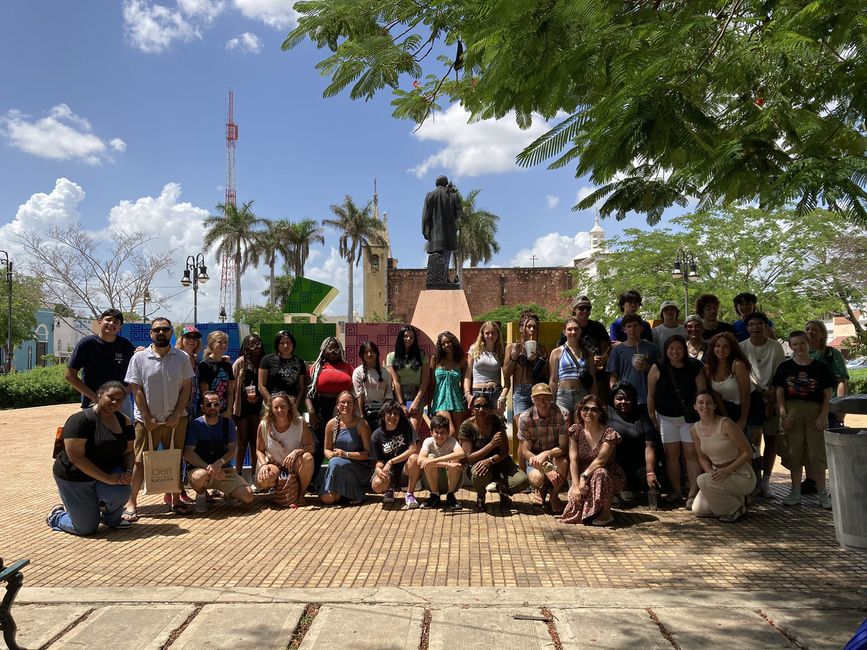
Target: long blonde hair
{"x": 212, "y": 337}
{"x": 478, "y": 347}
{"x": 291, "y": 409}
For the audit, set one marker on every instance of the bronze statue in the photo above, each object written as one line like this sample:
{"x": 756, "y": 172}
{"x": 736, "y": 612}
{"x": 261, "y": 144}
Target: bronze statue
{"x": 439, "y": 226}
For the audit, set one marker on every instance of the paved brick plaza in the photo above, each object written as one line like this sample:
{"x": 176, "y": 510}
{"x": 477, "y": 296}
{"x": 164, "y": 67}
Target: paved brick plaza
{"x": 774, "y": 548}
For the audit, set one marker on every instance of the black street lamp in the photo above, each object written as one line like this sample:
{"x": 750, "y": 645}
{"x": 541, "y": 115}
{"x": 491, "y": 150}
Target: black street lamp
{"x": 222, "y": 314}
{"x": 199, "y": 272}
{"x": 5, "y": 261}
{"x": 685, "y": 267}
{"x": 144, "y": 309}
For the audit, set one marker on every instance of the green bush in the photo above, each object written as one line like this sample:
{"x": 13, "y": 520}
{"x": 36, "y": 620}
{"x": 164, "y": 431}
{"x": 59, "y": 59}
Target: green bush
{"x": 37, "y": 387}
{"x": 858, "y": 381}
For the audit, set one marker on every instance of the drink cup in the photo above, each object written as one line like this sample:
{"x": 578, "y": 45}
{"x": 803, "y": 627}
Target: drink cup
{"x": 251, "y": 393}
{"x": 638, "y": 360}
{"x": 530, "y": 347}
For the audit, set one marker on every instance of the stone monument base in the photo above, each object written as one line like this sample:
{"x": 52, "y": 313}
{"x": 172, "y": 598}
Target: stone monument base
{"x": 438, "y": 274}
{"x": 439, "y": 310}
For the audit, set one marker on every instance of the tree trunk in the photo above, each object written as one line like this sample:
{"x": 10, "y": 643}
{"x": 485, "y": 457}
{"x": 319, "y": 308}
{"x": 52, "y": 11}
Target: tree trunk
{"x": 851, "y": 316}
{"x": 350, "y": 317}
{"x": 272, "y": 285}
{"x": 238, "y": 278}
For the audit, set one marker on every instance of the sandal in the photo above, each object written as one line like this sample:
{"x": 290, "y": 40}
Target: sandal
{"x": 537, "y": 498}
{"x": 129, "y": 515}
{"x": 734, "y": 516}
{"x": 180, "y": 509}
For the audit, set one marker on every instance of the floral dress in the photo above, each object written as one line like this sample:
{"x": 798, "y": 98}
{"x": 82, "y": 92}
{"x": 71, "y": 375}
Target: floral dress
{"x": 604, "y": 481}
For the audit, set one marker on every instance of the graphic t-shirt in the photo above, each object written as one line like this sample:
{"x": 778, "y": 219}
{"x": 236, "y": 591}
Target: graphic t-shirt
{"x": 806, "y": 383}
{"x": 385, "y": 445}
{"x": 100, "y": 361}
{"x": 217, "y": 375}
{"x": 283, "y": 373}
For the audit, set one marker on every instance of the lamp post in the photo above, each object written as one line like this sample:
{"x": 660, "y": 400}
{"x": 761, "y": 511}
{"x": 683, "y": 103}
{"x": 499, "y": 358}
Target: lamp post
{"x": 223, "y": 314}
{"x": 5, "y": 261}
{"x": 199, "y": 272}
{"x": 685, "y": 268}
{"x": 144, "y": 309}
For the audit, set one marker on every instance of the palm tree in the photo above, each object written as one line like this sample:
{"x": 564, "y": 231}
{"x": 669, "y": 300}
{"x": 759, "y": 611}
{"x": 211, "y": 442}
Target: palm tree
{"x": 269, "y": 243}
{"x": 301, "y": 235}
{"x": 358, "y": 229}
{"x": 477, "y": 230}
{"x": 233, "y": 231}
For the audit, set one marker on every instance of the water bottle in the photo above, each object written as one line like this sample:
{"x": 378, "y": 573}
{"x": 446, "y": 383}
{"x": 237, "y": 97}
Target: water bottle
{"x": 652, "y": 497}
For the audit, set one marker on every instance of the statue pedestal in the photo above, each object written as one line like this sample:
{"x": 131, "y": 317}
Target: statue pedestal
{"x": 438, "y": 310}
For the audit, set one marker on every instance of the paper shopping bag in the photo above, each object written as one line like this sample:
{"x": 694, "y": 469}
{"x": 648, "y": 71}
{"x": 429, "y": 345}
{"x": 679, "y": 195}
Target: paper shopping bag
{"x": 162, "y": 469}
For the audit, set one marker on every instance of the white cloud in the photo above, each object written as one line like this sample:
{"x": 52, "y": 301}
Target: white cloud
{"x": 279, "y": 14}
{"x": 152, "y": 28}
{"x": 484, "y": 146}
{"x": 552, "y": 249}
{"x": 583, "y": 192}
{"x": 57, "y": 208}
{"x": 246, "y": 42}
{"x": 552, "y": 201}
{"x": 207, "y": 10}
{"x": 62, "y": 135}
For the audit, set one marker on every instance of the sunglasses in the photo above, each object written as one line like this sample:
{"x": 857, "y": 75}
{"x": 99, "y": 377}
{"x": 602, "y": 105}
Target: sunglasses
{"x": 212, "y": 403}
{"x": 161, "y": 329}
{"x": 482, "y": 406}
{"x": 583, "y": 308}
{"x": 591, "y": 409}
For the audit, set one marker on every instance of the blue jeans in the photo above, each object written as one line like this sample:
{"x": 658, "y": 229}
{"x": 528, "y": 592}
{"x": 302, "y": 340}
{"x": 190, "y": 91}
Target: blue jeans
{"x": 81, "y": 502}
{"x": 521, "y": 400}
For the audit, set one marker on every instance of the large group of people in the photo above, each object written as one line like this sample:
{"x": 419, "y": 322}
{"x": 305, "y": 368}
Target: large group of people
{"x": 694, "y": 410}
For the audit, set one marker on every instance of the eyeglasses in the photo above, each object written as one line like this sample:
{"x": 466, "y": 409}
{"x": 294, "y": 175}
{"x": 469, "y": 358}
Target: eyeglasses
{"x": 161, "y": 329}
{"x": 583, "y": 308}
{"x": 345, "y": 403}
{"x": 482, "y": 406}
{"x": 591, "y": 409}
{"x": 212, "y": 403}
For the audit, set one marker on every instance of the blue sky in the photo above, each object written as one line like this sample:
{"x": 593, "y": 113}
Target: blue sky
{"x": 112, "y": 113}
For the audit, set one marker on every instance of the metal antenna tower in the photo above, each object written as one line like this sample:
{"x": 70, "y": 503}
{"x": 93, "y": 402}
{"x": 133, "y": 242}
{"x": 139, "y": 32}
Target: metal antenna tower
{"x": 227, "y": 270}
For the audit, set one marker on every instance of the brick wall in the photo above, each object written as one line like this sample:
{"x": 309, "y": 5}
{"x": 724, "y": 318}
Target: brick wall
{"x": 486, "y": 289}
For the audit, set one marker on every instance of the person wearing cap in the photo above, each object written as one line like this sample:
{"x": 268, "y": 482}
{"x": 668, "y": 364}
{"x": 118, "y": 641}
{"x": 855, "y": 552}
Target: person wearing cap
{"x": 629, "y": 302}
{"x": 190, "y": 341}
{"x": 745, "y": 304}
{"x": 99, "y": 358}
{"x": 544, "y": 444}
{"x": 159, "y": 378}
{"x": 696, "y": 346}
{"x": 669, "y": 313}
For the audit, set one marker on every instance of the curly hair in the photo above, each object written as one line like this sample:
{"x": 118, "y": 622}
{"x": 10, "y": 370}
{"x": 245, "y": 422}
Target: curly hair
{"x": 587, "y": 399}
{"x": 457, "y": 354}
{"x": 629, "y": 296}
{"x": 317, "y": 365}
{"x": 711, "y": 362}
{"x": 291, "y": 406}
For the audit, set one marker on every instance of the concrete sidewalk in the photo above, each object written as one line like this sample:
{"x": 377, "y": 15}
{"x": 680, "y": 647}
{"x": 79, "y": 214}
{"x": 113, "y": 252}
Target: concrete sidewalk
{"x": 434, "y": 618}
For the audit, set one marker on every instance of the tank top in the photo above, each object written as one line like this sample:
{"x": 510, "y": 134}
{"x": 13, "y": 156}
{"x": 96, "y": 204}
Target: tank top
{"x": 715, "y": 445}
{"x": 728, "y": 389}
{"x": 486, "y": 369}
{"x": 278, "y": 444}
{"x": 567, "y": 368}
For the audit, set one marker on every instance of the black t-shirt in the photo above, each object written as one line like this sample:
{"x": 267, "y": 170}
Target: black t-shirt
{"x": 667, "y": 402}
{"x": 633, "y": 431}
{"x": 470, "y": 431}
{"x": 385, "y": 445}
{"x": 806, "y": 383}
{"x": 721, "y": 327}
{"x": 283, "y": 373}
{"x": 103, "y": 448}
{"x": 217, "y": 375}
{"x": 100, "y": 361}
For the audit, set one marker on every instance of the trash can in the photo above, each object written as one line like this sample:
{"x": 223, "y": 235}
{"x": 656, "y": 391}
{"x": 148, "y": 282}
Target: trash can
{"x": 846, "y": 449}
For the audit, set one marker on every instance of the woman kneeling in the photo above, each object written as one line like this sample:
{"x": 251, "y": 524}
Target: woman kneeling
{"x": 347, "y": 444}
{"x": 95, "y": 465}
{"x": 283, "y": 442}
{"x": 724, "y": 454}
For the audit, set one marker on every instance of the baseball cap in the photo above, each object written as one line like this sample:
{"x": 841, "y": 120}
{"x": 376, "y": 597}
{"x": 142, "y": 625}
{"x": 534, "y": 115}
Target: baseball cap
{"x": 541, "y": 389}
{"x": 192, "y": 331}
{"x": 581, "y": 300}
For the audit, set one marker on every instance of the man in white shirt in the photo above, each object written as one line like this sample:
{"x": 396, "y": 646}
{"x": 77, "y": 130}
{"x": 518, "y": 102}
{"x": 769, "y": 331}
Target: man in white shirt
{"x": 764, "y": 355}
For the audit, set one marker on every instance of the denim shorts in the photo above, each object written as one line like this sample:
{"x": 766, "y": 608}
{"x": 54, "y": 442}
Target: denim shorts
{"x": 521, "y": 400}
{"x": 569, "y": 398}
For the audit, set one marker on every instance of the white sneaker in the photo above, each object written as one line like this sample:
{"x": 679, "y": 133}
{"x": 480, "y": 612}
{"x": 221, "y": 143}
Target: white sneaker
{"x": 491, "y": 487}
{"x": 793, "y": 498}
{"x": 825, "y": 500}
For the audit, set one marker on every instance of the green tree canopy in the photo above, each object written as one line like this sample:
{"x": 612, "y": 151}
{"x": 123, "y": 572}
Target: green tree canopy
{"x": 27, "y": 297}
{"x": 255, "y": 315}
{"x": 790, "y": 263}
{"x": 511, "y": 313}
{"x": 477, "y": 232}
{"x": 655, "y": 100}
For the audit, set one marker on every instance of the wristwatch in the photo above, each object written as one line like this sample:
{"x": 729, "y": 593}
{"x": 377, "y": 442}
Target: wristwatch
{"x": 585, "y": 477}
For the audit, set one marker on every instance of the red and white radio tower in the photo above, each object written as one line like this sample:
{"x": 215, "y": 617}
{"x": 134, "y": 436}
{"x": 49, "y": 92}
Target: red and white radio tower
{"x": 227, "y": 275}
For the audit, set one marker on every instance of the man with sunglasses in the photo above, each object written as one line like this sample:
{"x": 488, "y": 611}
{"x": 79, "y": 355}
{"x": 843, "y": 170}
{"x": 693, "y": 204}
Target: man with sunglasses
{"x": 160, "y": 378}
{"x": 484, "y": 440}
